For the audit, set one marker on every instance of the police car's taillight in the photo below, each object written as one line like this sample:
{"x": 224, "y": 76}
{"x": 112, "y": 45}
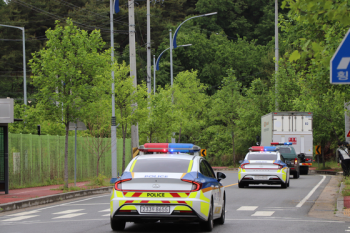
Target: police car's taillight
{"x": 279, "y": 165}
{"x": 196, "y": 186}
{"x": 243, "y": 165}
{"x": 118, "y": 184}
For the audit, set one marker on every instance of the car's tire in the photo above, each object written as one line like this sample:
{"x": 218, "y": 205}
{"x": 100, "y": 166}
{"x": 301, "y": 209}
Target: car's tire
{"x": 117, "y": 225}
{"x": 221, "y": 220}
{"x": 209, "y": 224}
{"x": 284, "y": 185}
{"x": 304, "y": 170}
{"x": 240, "y": 185}
{"x": 296, "y": 175}
{"x": 288, "y": 183}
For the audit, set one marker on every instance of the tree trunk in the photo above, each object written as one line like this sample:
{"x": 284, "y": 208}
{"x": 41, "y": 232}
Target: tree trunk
{"x": 233, "y": 148}
{"x": 66, "y": 158}
{"x": 97, "y": 166}
{"x": 322, "y": 151}
{"x": 179, "y": 135}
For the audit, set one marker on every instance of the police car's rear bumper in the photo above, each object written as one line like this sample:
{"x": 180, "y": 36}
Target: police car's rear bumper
{"x": 174, "y": 217}
{"x": 272, "y": 182}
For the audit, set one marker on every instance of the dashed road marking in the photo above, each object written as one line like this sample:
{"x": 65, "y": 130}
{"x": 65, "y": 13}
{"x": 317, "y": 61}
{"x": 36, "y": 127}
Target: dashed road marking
{"x": 19, "y": 218}
{"x": 106, "y": 215}
{"x": 263, "y": 213}
{"x": 24, "y": 213}
{"x": 68, "y": 211}
{"x": 69, "y": 215}
{"x": 249, "y": 208}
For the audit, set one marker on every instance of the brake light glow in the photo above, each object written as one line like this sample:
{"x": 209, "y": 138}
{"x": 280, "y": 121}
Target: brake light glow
{"x": 118, "y": 184}
{"x": 295, "y": 161}
{"x": 196, "y": 186}
{"x": 307, "y": 159}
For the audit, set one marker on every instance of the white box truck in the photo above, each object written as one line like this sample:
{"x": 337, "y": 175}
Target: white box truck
{"x": 294, "y": 127}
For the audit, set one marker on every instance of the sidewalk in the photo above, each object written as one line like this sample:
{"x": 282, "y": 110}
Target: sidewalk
{"x": 26, "y": 197}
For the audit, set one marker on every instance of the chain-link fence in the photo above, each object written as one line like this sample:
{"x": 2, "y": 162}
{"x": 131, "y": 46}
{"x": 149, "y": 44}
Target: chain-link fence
{"x": 35, "y": 159}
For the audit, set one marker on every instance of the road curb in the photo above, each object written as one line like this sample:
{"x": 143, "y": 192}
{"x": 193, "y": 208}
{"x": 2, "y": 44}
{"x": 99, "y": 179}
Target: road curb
{"x": 340, "y": 202}
{"x": 52, "y": 198}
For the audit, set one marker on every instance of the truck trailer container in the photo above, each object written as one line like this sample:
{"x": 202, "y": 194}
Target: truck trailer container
{"x": 294, "y": 127}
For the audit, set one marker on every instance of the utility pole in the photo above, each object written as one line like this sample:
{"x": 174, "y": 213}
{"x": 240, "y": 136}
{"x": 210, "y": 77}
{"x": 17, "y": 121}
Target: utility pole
{"x": 276, "y": 53}
{"x": 113, "y": 127}
{"x": 134, "y": 128}
{"x": 149, "y": 87}
{"x": 171, "y": 73}
{"x": 154, "y": 74}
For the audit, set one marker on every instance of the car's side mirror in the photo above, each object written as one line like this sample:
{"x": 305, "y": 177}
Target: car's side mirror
{"x": 220, "y": 176}
{"x": 240, "y": 161}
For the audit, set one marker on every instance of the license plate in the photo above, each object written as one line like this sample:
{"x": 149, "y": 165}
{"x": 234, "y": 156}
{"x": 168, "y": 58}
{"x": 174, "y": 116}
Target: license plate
{"x": 155, "y": 209}
{"x": 260, "y": 177}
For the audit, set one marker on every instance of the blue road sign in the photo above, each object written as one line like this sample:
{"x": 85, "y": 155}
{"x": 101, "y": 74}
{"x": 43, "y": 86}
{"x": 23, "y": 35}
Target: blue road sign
{"x": 340, "y": 68}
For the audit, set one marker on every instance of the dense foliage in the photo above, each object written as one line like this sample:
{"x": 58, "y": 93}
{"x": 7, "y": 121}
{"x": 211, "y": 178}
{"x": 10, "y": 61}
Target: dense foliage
{"x": 223, "y": 83}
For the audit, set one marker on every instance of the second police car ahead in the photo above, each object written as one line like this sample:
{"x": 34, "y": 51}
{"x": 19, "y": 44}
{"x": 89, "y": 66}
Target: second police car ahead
{"x": 263, "y": 165}
{"x": 175, "y": 185}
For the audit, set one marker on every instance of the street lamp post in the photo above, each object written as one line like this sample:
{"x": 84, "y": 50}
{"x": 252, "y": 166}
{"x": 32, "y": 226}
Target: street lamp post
{"x": 276, "y": 52}
{"x": 156, "y": 63}
{"x": 173, "y": 44}
{"x": 24, "y": 62}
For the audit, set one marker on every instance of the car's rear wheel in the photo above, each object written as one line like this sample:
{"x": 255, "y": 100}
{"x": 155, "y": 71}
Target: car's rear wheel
{"x": 117, "y": 225}
{"x": 296, "y": 175}
{"x": 240, "y": 185}
{"x": 221, "y": 220}
{"x": 209, "y": 224}
{"x": 284, "y": 185}
{"x": 304, "y": 170}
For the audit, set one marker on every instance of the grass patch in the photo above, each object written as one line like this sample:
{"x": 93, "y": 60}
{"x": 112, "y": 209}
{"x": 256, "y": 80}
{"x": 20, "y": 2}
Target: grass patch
{"x": 328, "y": 165}
{"x": 98, "y": 181}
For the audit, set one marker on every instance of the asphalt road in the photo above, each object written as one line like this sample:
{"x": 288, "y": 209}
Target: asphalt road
{"x": 257, "y": 208}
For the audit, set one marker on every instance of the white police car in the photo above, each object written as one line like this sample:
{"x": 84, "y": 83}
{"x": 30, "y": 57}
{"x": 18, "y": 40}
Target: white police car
{"x": 263, "y": 165}
{"x": 175, "y": 185}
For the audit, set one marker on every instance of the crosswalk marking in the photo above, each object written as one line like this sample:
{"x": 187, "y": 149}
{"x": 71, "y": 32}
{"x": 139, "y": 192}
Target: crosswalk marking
{"x": 263, "y": 213}
{"x": 68, "y": 211}
{"x": 24, "y": 213}
{"x": 106, "y": 210}
{"x": 19, "y": 218}
{"x": 70, "y": 215}
{"x": 251, "y": 208}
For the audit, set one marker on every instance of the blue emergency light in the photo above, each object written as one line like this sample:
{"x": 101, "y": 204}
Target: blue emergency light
{"x": 170, "y": 147}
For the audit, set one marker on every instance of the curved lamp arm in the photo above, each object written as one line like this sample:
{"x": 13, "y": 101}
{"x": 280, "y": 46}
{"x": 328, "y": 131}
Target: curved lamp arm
{"x": 157, "y": 62}
{"x": 178, "y": 28}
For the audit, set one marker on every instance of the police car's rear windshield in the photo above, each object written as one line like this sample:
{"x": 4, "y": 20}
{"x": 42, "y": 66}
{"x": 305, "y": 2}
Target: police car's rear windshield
{"x": 162, "y": 165}
{"x": 262, "y": 157}
{"x": 284, "y": 150}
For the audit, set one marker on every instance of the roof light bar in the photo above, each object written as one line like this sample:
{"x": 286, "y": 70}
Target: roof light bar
{"x": 281, "y": 143}
{"x": 263, "y": 148}
{"x": 169, "y": 147}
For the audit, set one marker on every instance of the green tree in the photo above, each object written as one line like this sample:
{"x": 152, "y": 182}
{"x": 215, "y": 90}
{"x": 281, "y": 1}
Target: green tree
{"x": 67, "y": 73}
{"x": 130, "y": 101}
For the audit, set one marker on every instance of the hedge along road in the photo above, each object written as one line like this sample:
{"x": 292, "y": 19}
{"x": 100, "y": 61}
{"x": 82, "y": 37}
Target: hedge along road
{"x": 258, "y": 208}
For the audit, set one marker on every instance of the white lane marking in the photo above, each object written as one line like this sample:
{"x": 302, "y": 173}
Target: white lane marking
{"x": 106, "y": 215}
{"x": 263, "y": 213}
{"x": 70, "y": 215}
{"x": 286, "y": 220}
{"x": 49, "y": 207}
{"x": 19, "y": 218}
{"x": 68, "y": 211}
{"x": 91, "y": 204}
{"x": 301, "y": 203}
{"x": 24, "y": 213}
{"x": 251, "y": 208}
{"x": 106, "y": 210}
